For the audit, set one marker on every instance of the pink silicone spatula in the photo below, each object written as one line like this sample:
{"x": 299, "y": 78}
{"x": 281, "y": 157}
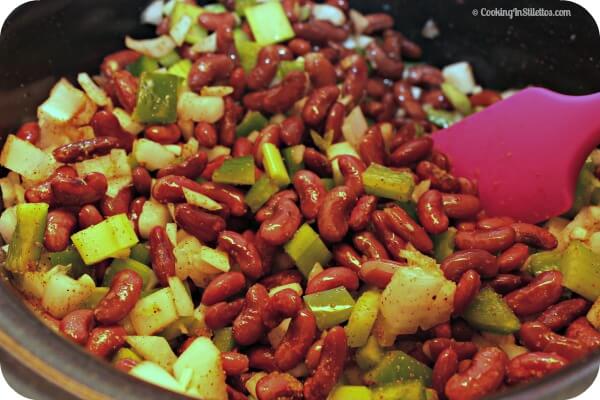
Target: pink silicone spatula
{"x": 525, "y": 152}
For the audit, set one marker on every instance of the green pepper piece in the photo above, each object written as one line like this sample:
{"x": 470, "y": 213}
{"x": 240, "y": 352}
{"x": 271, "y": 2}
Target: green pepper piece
{"x": 94, "y": 299}
{"x": 157, "y": 98}
{"x": 441, "y": 118}
{"x": 489, "y": 312}
{"x": 586, "y": 185}
{"x": 196, "y": 32}
{"x": 330, "y": 307}
{"x": 253, "y": 121}
{"x": 260, "y": 193}
{"x": 362, "y": 318}
{"x": 370, "y": 355}
{"x": 142, "y": 64}
{"x": 294, "y": 158}
{"x": 443, "y": 244}
{"x": 306, "y": 249}
{"x": 351, "y": 393}
{"x": 398, "y": 366}
{"x": 241, "y": 5}
{"x": 543, "y": 261}
{"x": 170, "y": 59}
{"x": 580, "y": 267}
{"x": 269, "y": 23}
{"x": 215, "y": 8}
{"x": 328, "y": 183}
{"x": 71, "y": 257}
{"x": 274, "y": 166}
{"x": 385, "y": 182}
{"x": 285, "y": 67}
{"x": 247, "y": 50}
{"x": 118, "y": 265}
{"x": 458, "y": 99}
{"x": 236, "y": 171}
{"x": 408, "y": 390}
{"x": 141, "y": 253}
{"x": 25, "y": 248}
{"x": 181, "y": 69}
{"x": 223, "y": 339}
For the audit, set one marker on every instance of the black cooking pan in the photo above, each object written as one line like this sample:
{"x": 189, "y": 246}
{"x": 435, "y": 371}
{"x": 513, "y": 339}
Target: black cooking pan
{"x": 48, "y": 39}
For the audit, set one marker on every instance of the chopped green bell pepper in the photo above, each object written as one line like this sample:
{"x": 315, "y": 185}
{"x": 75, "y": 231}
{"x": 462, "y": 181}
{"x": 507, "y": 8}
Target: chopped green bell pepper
{"x": 241, "y": 5}
{"x": 141, "y": 253}
{"x": 285, "y": 67}
{"x": 543, "y": 261}
{"x": 223, "y": 339}
{"x": 370, "y": 355}
{"x": 246, "y": 49}
{"x": 236, "y": 171}
{"x": 294, "y": 158}
{"x": 362, "y": 318}
{"x": 385, "y": 182}
{"x": 141, "y": 65}
{"x": 274, "y": 166}
{"x": 71, "y": 257}
{"x": 94, "y": 299}
{"x": 253, "y": 121}
{"x": 157, "y": 98}
{"x": 351, "y": 393}
{"x": 181, "y": 68}
{"x": 260, "y": 193}
{"x": 330, "y": 307}
{"x": 489, "y": 312}
{"x": 306, "y": 249}
{"x": 443, "y": 244}
{"x": 27, "y": 241}
{"x": 441, "y": 118}
{"x": 398, "y": 366}
{"x": 580, "y": 267}
{"x": 269, "y": 23}
{"x": 118, "y": 265}
{"x": 170, "y": 59}
{"x": 408, "y": 390}
{"x": 215, "y": 8}
{"x": 196, "y": 32}
{"x": 458, "y": 99}
{"x": 586, "y": 185}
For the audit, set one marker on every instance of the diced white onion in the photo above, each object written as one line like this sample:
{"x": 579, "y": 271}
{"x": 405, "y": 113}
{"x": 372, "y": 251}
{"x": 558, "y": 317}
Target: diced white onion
{"x": 153, "y": 14}
{"x": 207, "y": 44}
{"x": 152, "y": 155}
{"x": 354, "y": 127}
{"x": 359, "y": 21}
{"x": 326, "y": 12}
{"x": 154, "y": 48}
{"x": 8, "y": 223}
{"x": 218, "y": 91}
{"x": 127, "y": 123}
{"x": 180, "y": 31}
{"x": 64, "y": 103}
{"x": 200, "y": 108}
{"x": 27, "y": 160}
{"x": 430, "y": 29}
{"x": 460, "y": 74}
{"x": 94, "y": 92}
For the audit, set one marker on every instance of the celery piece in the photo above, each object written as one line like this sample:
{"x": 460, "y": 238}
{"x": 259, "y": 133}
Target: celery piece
{"x": 216, "y": 8}
{"x": 458, "y": 99}
{"x": 328, "y": 183}
{"x": 141, "y": 65}
{"x": 322, "y": 142}
{"x": 362, "y": 318}
{"x": 274, "y": 166}
{"x": 27, "y": 241}
{"x": 118, "y": 265}
{"x": 260, "y": 193}
{"x": 241, "y": 5}
{"x": 93, "y": 299}
{"x": 181, "y": 68}
{"x": 196, "y": 32}
{"x": 247, "y": 50}
{"x": 269, "y": 23}
{"x": 306, "y": 248}
{"x": 385, "y": 182}
{"x": 223, "y": 339}
{"x": 170, "y": 59}
{"x": 104, "y": 240}
{"x": 369, "y": 355}
{"x": 126, "y": 354}
{"x": 157, "y": 98}
{"x": 398, "y": 366}
{"x": 586, "y": 184}
{"x": 236, "y": 171}
{"x": 489, "y": 312}
{"x": 253, "y": 121}
{"x": 70, "y": 257}
{"x": 330, "y": 307}
{"x": 407, "y": 390}
{"x": 580, "y": 267}
{"x": 350, "y": 393}
{"x": 544, "y": 261}
{"x": 443, "y": 244}
{"x": 285, "y": 67}
{"x": 294, "y": 158}
{"x": 141, "y": 253}
{"x": 441, "y": 118}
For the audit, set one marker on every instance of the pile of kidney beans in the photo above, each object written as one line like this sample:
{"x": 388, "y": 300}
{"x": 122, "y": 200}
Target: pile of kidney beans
{"x": 356, "y": 226}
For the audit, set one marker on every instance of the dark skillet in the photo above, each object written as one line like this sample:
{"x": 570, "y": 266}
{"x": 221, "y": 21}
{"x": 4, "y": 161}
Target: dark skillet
{"x": 48, "y": 39}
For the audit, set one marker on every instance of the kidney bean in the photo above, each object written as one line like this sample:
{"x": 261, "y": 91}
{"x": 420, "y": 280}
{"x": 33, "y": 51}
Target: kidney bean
{"x": 331, "y": 365}
{"x": 318, "y": 104}
{"x": 356, "y": 76}
{"x": 535, "y": 236}
{"x": 361, "y": 213}
{"x": 243, "y": 252}
{"x": 263, "y": 73}
{"x": 440, "y": 179}
{"x": 332, "y": 218}
{"x": 88, "y": 216}
{"x": 399, "y": 222}
{"x": 277, "y": 385}
{"x": 60, "y": 225}
{"x": 485, "y": 98}
{"x": 369, "y": 246}
{"x": 161, "y": 253}
{"x": 345, "y": 255}
{"x": 431, "y": 213}
{"x": 528, "y": 366}
{"x": 282, "y": 224}
{"x": 104, "y": 341}
{"x": 493, "y": 240}
{"x": 443, "y": 330}
{"x": 466, "y": 226}
{"x": 191, "y": 167}
{"x": 228, "y": 195}
{"x": 142, "y": 181}
{"x": 209, "y": 68}
{"x": 125, "y": 291}
{"x": 118, "y": 61}
{"x": 378, "y": 22}
{"x": 242, "y": 147}
{"x": 300, "y": 47}
{"x": 297, "y": 340}
{"x": 213, "y": 165}
{"x": 352, "y": 168}
{"x": 335, "y": 120}
{"x": 372, "y": 148}
{"x": 387, "y": 67}
{"x": 206, "y": 134}
{"x": 30, "y": 132}
{"x": 331, "y": 278}
{"x": 513, "y": 258}
{"x": 411, "y": 152}
{"x": 203, "y": 225}
{"x": 228, "y": 124}
{"x": 483, "y": 377}
{"x": 506, "y": 283}
{"x": 223, "y": 287}
{"x": 311, "y": 192}
{"x": 490, "y": 223}
{"x": 459, "y": 262}
{"x": 247, "y": 326}
{"x": 538, "y": 337}
{"x": 317, "y": 162}
{"x": 461, "y": 331}
{"x": 434, "y": 347}
{"x": 436, "y": 99}
{"x": 262, "y": 359}
{"x": 135, "y": 210}
{"x": 222, "y": 314}
{"x": 163, "y": 134}
{"x": 234, "y": 363}
{"x": 537, "y": 296}
{"x": 70, "y": 191}
{"x": 117, "y": 205}
{"x": 254, "y": 100}
{"x": 404, "y": 97}
{"x": 268, "y": 209}
{"x": 292, "y": 130}
{"x": 126, "y": 89}
{"x": 466, "y": 289}
{"x": 76, "y": 325}
{"x": 313, "y": 356}
{"x": 445, "y": 367}
{"x": 85, "y": 149}
{"x": 283, "y": 304}
{"x": 461, "y": 206}
{"x": 560, "y": 315}
{"x": 281, "y": 278}
{"x": 212, "y": 21}
{"x": 320, "y": 70}
{"x": 269, "y": 134}
{"x": 424, "y": 75}
{"x": 105, "y": 124}
{"x": 391, "y": 240}
{"x": 319, "y": 32}
{"x": 464, "y": 365}
{"x": 585, "y": 333}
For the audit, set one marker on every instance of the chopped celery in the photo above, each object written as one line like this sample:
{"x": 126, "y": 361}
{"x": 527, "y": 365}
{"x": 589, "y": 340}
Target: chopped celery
{"x": 253, "y": 121}
{"x": 70, "y": 257}
{"x": 385, "y": 182}
{"x": 351, "y": 393}
{"x": 141, "y": 253}
{"x": 285, "y": 67}
{"x": 241, "y": 5}
{"x": 341, "y": 148}
{"x": 216, "y": 8}
{"x": 126, "y": 354}
{"x": 236, "y": 171}
{"x": 157, "y": 98}
{"x": 586, "y": 184}
{"x": 94, "y": 299}
{"x": 328, "y": 183}
{"x": 181, "y": 68}
{"x": 118, "y": 265}
{"x": 306, "y": 248}
{"x": 223, "y": 339}
{"x": 330, "y": 307}
{"x": 294, "y": 158}
{"x": 441, "y": 118}
{"x": 543, "y": 261}
{"x": 274, "y": 166}
{"x": 141, "y": 65}
{"x": 196, "y": 32}
{"x": 398, "y": 366}
{"x": 489, "y": 312}
{"x": 269, "y": 23}
{"x": 170, "y": 59}
{"x": 370, "y": 355}
{"x": 260, "y": 193}
{"x": 444, "y": 244}
{"x": 458, "y": 99}
{"x": 322, "y": 142}
{"x": 104, "y": 240}
{"x": 247, "y": 50}
{"x": 580, "y": 267}
{"x": 407, "y": 390}
{"x": 27, "y": 241}
{"x": 362, "y": 318}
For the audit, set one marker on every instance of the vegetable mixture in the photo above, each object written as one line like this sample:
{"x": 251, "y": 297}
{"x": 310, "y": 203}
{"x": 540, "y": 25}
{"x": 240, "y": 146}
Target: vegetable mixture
{"x": 249, "y": 206}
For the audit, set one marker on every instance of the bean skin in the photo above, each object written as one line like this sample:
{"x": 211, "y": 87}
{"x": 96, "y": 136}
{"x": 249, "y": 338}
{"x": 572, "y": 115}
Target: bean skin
{"x": 536, "y": 297}
{"x": 333, "y": 215}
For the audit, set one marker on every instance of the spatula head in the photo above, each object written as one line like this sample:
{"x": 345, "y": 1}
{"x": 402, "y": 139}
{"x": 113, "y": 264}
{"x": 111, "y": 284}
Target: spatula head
{"x": 525, "y": 152}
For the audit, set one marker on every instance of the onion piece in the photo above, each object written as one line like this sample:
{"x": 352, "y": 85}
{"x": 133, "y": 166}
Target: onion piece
{"x": 359, "y": 21}
{"x": 207, "y": 44}
{"x": 218, "y": 91}
{"x": 154, "y": 48}
{"x": 181, "y": 29}
{"x": 216, "y": 152}
{"x": 460, "y": 74}
{"x": 200, "y": 200}
{"x": 430, "y": 29}
{"x": 152, "y": 155}
{"x": 326, "y": 12}
{"x": 94, "y": 92}
{"x": 127, "y": 122}
{"x": 115, "y": 166}
{"x": 153, "y": 214}
{"x": 200, "y": 108}
{"x": 27, "y": 160}
{"x": 8, "y": 223}
{"x": 354, "y": 127}
{"x": 64, "y": 103}
{"x": 153, "y": 14}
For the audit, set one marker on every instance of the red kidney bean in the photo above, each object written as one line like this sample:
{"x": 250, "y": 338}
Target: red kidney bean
{"x": 317, "y": 162}
{"x": 331, "y": 365}
{"x": 85, "y": 149}
{"x": 292, "y": 130}
{"x": 118, "y": 61}
{"x": 125, "y": 291}
{"x": 277, "y": 385}
{"x": 466, "y": 226}
{"x": 206, "y": 134}
{"x": 126, "y": 89}
{"x": 535, "y": 236}
{"x": 445, "y": 367}
{"x": 378, "y": 275}
{"x": 461, "y": 206}
{"x": 457, "y": 263}
{"x": 423, "y": 74}
{"x": 335, "y": 120}
{"x": 431, "y": 213}
{"x": 528, "y": 366}
{"x": 585, "y": 333}
{"x": 513, "y": 258}
{"x": 399, "y": 222}
{"x": 387, "y": 67}
{"x": 345, "y": 255}
{"x": 242, "y": 147}
{"x": 352, "y": 168}
{"x": 68, "y": 191}
{"x": 506, "y": 283}
{"x": 269, "y": 134}
{"x": 440, "y": 160}
{"x": 212, "y": 21}
{"x": 467, "y": 288}
{"x": 297, "y": 340}
{"x": 443, "y": 330}
{"x": 436, "y": 99}
{"x": 228, "y": 195}
{"x": 117, "y": 205}
{"x": 493, "y": 240}
{"x": 332, "y": 218}
{"x": 300, "y": 47}
{"x": 262, "y": 358}
{"x": 203, "y": 225}
{"x": 356, "y": 76}
{"x": 331, "y": 278}
{"x": 104, "y": 341}
{"x": 320, "y": 70}
{"x": 282, "y": 278}
{"x": 88, "y": 216}
{"x": 537, "y": 296}
{"x": 163, "y": 134}
{"x": 404, "y": 97}
{"x": 369, "y": 246}
{"x": 560, "y": 315}
{"x": 60, "y": 225}
{"x": 376, "y": 88}
{"x": 372, "y": 148}
{"x": 434, "y": 347}
{"x": 283, "y": 304}
{"x": 485, "y": 98}
{"x": 208, "y": 68}
{"x": 191, "y": 167}
{"x": 42, "y": 193}
{"x": 76, "y": 325}
{"x": 411, "y": 152}
{"x": 538, "y": 337}
{"x": 135, "y": 210}
{"x": 243, "y": 252}
{"x": 215, "y": 164}
{"x": 105, "y": 124}
{"x": 234, "y": 363}
{"x": 268, "y": 209}
{"x": 461, "y": 331}
{"x": 319, "y": 32}
{"x": 495, "y": 222}
{"x": 391, "y": 240}
{"x": 142, "y": 181}
{"x": 223, "y": 287}
{"x": 161, "y": 253}
{"x": 464, "y": 365}
{"x": 440, "y": 179}
{"x": 29, "y": 131}
{"x": 483, "y": 377}
{"x": 361, "y": 213}
{"x": 280, "y": 98}
{"x": 247, "y": 326}
{"x": 228, "y": 124}
{"x": 318, "y": 104}
{"x": 281, "y": 226}
{"x": 311, "y": 192}
{"x": 378, "y": 22}
{"x": 313, "y": 356}
{"x": 222, "y": 314}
